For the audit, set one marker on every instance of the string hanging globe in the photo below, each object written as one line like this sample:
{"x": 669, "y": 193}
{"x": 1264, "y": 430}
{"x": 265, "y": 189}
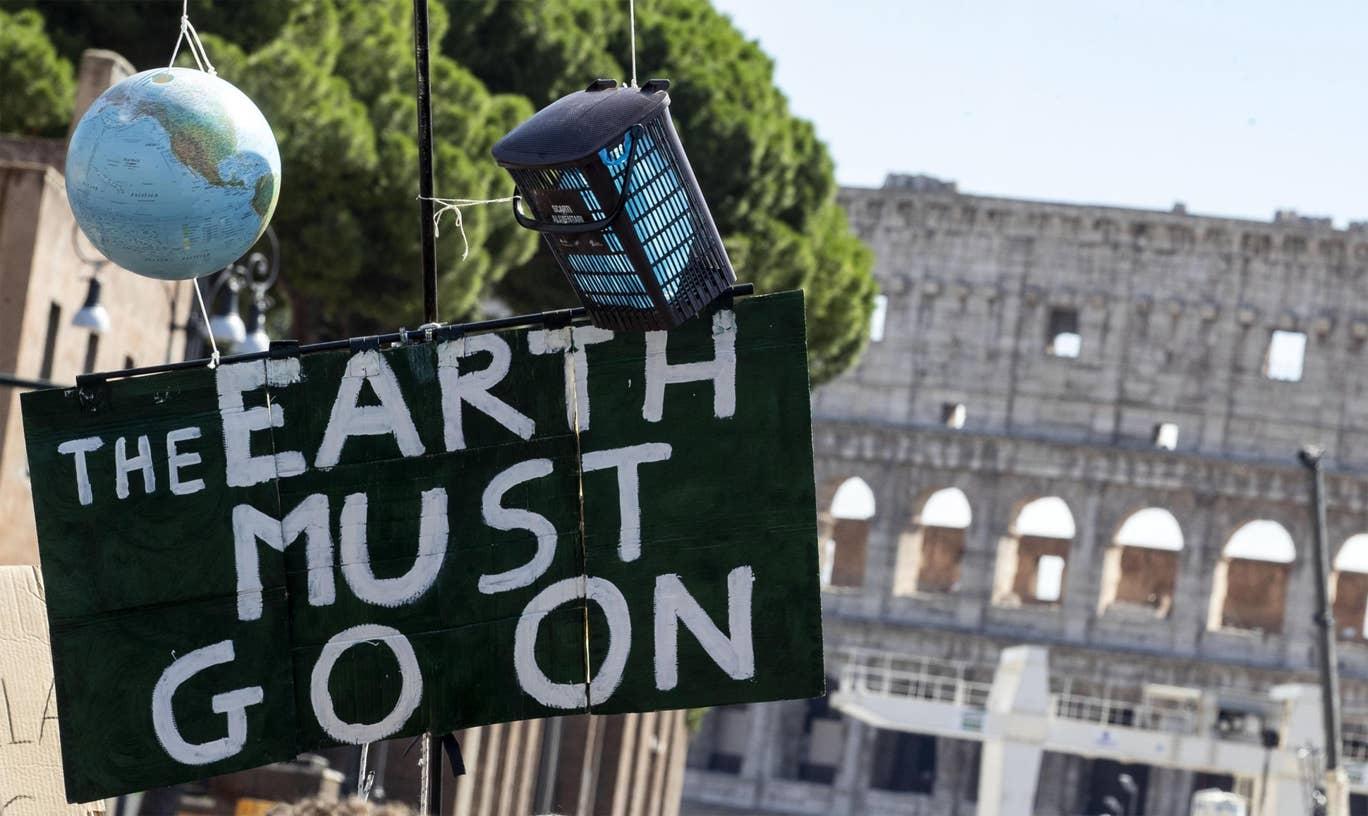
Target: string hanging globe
{"x": 173, "y": 173}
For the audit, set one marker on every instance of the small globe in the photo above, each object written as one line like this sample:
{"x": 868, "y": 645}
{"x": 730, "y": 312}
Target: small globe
{"x": 173, "y": 173}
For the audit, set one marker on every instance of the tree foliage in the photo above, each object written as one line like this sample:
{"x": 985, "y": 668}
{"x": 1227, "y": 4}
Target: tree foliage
{"x": 767, "y": 178}
{"x": 38, "y": 84}
{"x": 335, "y": 83}
{"x": 335, "y": 79}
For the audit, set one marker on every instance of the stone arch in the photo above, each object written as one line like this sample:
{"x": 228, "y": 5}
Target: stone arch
{"x": 1140, "y": 566}
{"x": 1249, "y": 589}
{"x": 843, "y": 531}
{"x": 931, "y": 550}
{"x": 1349, "y": 588}
{"x": 1033, "y": 556}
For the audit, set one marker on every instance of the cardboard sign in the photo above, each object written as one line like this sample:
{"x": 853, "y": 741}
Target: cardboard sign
{"x": 30, "y": 749}
{"x": 249, "y": 562}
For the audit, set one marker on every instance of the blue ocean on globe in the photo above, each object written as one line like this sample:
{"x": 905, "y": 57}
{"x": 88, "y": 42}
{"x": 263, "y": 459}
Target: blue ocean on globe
{"x": 173, "y": 173}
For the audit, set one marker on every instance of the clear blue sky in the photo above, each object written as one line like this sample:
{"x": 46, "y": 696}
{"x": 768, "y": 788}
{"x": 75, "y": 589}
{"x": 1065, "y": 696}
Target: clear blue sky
{"x": 1235, "y": 108}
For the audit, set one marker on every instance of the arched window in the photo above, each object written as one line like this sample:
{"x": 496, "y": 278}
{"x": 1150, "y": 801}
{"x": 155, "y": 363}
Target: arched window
{"x": 1262, "y": 540}
{"x": 1141, "y": 566}
{"x": 948, "y": 508}
{"x": 930, "y": 554}
{"x": 1033, "y": 558}
{"x": 1250, "y": 590}
{"x": 853, "y": 500}
{"x": 845, "y": 534}
{"x": 1350, "y": 584}
{"x": 1154, "y": 528}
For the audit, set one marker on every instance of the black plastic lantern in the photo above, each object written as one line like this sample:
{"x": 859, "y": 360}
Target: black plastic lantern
{"x": 607, "y": 182}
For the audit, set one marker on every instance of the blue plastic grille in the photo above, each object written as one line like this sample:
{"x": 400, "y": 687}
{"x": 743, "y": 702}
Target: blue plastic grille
{"x": 657, "y": 206}
{"x": 610, "y": 277}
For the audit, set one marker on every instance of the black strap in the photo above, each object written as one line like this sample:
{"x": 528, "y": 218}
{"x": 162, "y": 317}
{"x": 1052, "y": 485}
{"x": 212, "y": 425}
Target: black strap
{"x": 450, "y": 747}
{"x": 453, "y": 751}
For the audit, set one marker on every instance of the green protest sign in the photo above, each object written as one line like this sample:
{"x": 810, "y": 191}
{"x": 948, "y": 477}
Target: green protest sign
{"x": 282, "y": 554}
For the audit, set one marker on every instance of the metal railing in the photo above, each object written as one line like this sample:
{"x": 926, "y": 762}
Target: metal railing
{"x": 918, "y": 678}
{"x": 1355, "y": 735}
{"x": 1169, "y": 718}
{"x": 870, "y": 671}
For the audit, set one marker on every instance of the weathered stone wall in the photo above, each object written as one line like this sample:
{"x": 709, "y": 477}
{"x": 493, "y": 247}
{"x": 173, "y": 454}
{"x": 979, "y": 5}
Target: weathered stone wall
{"x": 1175, "y": 313}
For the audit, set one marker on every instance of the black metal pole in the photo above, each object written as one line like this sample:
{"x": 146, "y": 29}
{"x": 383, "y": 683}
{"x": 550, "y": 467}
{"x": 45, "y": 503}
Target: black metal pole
{"x": 425, "y": 208}
{"x": 1325, "y": 620}
{"x": 11, "y": 381}
{"x": 558, "y": 317}
{"x": 428, "y": 232}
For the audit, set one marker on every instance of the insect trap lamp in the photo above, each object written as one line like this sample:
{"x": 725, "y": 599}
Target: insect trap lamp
{"x": 606, "y": 181}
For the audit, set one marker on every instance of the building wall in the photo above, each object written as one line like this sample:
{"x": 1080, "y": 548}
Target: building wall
{"x": 41, "y": 267}
{"x": 1175, "y": 314}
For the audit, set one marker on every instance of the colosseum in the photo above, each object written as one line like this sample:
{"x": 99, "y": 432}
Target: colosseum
{"x": 1065, "y": 537}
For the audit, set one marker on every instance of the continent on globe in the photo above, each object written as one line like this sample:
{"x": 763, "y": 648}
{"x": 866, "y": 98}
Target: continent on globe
{"x": 173, "y": 173}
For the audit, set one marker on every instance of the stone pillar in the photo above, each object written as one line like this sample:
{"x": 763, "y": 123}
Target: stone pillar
{"x": 1081, "y": 580}
{"x": 757, "y": 741}
{"x": 1013, "y": 744}
{"x": 100, "y": 70}
{"x": 1300, "y": 635}
{"x": 979, "y": 561}
{"x": 891, "y": 518}
{"x": 1196, "y": 572}
{"x": 853, "y": 774}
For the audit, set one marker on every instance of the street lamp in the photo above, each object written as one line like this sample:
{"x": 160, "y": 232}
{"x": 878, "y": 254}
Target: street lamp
{"x": 92, "y": 314}
{"x": 257, "y": 339}
{"x": 255, "y": 272}
{"x": 226, "y": 327}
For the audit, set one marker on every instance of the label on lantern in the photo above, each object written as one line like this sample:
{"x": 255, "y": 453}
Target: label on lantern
{"x": 562, "y": 206}
{"x": 249, "y": 562}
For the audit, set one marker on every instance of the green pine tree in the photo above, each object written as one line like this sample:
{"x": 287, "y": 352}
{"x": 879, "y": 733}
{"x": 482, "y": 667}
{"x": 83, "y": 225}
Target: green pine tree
{"x": 38, "y": 84}
{"x": 335, "y": 79}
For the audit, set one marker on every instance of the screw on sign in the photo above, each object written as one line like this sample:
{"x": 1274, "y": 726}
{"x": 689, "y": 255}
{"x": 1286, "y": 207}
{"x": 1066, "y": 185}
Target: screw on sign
{"x": 347, "y": 546}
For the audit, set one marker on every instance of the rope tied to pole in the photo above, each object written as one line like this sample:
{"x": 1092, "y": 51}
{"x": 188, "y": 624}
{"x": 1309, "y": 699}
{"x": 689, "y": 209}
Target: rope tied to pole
{"x": 454, "y": 206}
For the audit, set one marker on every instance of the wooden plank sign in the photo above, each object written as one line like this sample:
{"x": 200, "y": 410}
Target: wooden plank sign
{"x": 277, "y": 555}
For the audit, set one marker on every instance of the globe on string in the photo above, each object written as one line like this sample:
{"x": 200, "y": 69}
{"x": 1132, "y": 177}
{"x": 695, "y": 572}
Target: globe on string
{"x": 173, "y": 173}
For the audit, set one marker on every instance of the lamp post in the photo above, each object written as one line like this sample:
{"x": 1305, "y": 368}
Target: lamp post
{"x": 1335, "y": 785}
{"x": 255, "y": 272}
{"x": 92, "y": 314}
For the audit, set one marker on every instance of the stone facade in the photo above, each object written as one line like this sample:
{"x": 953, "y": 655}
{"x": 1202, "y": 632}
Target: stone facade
{"x": 44, "y": 278}
{"x": 1033, "y": 350}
